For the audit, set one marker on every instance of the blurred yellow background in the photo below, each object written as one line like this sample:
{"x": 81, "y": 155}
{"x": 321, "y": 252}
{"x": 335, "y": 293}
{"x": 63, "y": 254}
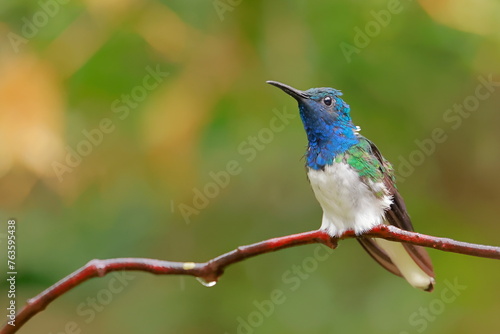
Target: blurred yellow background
{"x": 143, "y": 128}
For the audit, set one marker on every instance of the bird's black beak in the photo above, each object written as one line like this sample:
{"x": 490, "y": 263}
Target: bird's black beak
{"x": 297, "y": 94}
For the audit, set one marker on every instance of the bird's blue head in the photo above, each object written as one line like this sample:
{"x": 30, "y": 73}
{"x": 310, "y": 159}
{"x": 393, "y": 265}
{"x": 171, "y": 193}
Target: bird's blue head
{"x": 327, "y": 121}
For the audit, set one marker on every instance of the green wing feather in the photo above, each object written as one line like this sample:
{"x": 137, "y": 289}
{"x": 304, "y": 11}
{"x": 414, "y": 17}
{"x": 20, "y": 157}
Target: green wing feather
{"x": 365, "y": 161}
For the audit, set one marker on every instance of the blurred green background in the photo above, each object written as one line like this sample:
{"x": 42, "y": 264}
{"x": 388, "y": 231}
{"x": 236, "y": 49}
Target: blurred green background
{"x": 74, "y": 70}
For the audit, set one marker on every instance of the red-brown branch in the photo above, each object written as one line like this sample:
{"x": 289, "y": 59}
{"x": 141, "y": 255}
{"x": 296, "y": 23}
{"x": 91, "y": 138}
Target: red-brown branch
{"x": 211, "y": 271}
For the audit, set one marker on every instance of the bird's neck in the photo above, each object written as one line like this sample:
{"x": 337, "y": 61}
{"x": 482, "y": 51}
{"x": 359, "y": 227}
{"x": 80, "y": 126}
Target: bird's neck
{"x": 327, "y": 139}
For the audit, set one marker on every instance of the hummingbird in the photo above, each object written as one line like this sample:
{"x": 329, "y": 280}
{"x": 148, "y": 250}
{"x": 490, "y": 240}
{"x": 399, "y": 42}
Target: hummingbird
{"x": 355, "y": 184}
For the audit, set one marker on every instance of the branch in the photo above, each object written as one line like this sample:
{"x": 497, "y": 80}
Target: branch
{"x": 209, "y": 272}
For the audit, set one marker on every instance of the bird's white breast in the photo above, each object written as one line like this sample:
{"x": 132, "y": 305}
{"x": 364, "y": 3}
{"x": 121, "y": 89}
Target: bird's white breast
{"x": 347, "y": 202}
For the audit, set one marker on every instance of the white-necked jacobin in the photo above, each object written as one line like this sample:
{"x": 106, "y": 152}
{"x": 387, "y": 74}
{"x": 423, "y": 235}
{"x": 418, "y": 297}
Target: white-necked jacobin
{"x": 354, "y": 184}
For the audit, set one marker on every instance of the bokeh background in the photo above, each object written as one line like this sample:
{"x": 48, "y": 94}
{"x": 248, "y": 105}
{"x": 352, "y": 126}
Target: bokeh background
{"x": 70, "y": 70}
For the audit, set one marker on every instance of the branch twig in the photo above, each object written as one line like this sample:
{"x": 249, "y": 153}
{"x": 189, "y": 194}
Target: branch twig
{"x": 211, "y": 271}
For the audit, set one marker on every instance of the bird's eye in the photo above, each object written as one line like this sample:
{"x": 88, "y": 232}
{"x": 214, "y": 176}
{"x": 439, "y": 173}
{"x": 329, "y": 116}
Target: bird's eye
{"x": 327, "y": 100}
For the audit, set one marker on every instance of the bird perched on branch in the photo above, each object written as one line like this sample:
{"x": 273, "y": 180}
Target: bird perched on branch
{"x": 354, "y": 184}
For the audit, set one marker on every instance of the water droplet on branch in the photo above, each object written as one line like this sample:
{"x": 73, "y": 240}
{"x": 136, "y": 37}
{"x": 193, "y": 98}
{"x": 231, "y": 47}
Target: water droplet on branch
{"x": 205, "y": 283}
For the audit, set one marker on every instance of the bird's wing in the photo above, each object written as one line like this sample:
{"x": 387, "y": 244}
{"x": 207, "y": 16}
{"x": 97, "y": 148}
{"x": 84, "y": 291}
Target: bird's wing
{"x": 397, "y": 216}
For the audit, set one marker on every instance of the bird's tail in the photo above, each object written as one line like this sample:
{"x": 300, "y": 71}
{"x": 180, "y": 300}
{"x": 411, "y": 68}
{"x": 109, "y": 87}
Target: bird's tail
{"x": 408, "y": 261}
